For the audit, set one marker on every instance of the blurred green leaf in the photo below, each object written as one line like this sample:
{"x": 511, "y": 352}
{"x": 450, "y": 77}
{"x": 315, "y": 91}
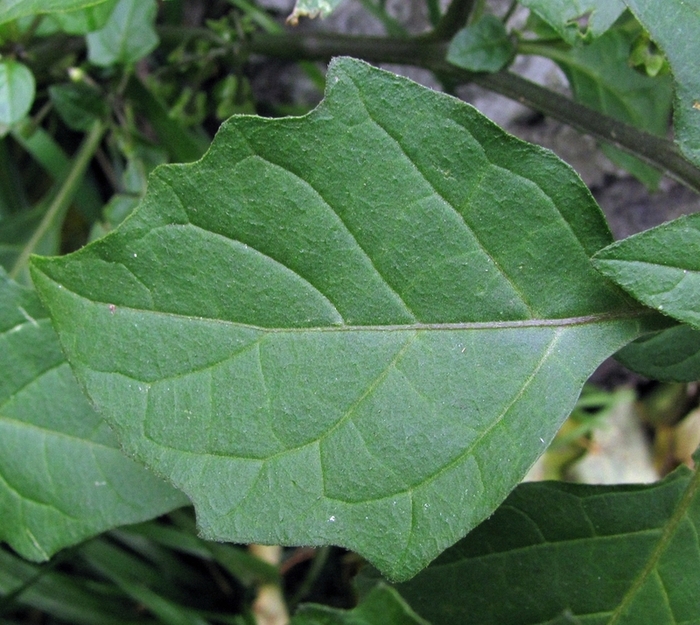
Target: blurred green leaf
{"x": 576, "y": 19}
{"x": 382, "y": 606}
{"x": 13, "y": 9}
{"x": 78, "y": 104}
{"x": 128, "y": 35}
{"x": 675, "y": 27}
{"x": 323, "y": 336}
{"x": 62, "y": 477}
{"x": 85, "y": 20}
{"x": 17, "y": 87}
{"x": 482, "y": 47}
{"x": 627, "y": 555}
{"x": 659, "y": 267}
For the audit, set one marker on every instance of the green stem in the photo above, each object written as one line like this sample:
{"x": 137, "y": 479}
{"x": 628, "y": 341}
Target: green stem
{"x": 430, "y": 54}
{"x": 453, "y": 20}
{"x": 59, "y": 206}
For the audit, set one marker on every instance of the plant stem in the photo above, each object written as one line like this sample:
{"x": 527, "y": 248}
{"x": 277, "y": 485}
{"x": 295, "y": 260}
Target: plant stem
{"x": 59, "y": 206}
{"x": 429, "y": 54}
{"x": 453, "y": 20}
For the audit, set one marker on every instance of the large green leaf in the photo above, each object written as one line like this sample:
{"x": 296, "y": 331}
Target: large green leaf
{"x": 675, "y": 27}
{"x": 627, "y": 555}
{"x": 382, "y": 606}
{"x": 357, "y": 327}
{"x": 660, "y": 267}
{"x": 62, "y": 478}
{"x": 128, "y": 35}
{"x": 12, "y": 9}
{"x": 600, "y": 77}
{"x": 564, "y": 16}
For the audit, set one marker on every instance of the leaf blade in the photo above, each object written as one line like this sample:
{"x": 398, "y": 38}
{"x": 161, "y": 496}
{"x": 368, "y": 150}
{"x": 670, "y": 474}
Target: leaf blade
{"x": 659, "y": 267}
{"x": 315, "y": 393}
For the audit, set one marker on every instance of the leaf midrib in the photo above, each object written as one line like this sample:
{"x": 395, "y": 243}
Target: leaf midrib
{"x": 626, "y": 315}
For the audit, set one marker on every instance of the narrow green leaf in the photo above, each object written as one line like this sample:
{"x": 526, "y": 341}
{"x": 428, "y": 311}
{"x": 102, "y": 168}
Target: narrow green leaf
{"x": 566, "y": 16}
{"x": 675, "y": 27}
{"x": 17, "y": 87}
{"x": 128, "y": 35}
{"x": 660, "y": 267}
{"x": 312, "y": 8}
{"x": 382, "y": 606}
{"x": 671, "y": 355}
{"x": 13, "y": 9}
{"x": 62, "y": 477}
{"x": 64, "y": 596}
{"x": 600, "y": 77}
{"x": 608, "y": 555}
{"x": 482, "y": 47}
{"x": 333, "y": 329}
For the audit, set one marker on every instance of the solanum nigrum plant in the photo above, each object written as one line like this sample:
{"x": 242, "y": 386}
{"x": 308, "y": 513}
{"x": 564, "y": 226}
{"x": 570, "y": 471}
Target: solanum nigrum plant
{"x": 359, "y": 326}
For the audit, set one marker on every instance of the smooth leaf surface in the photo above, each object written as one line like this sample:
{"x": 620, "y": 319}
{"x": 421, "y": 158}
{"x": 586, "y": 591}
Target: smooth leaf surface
{"x": 12, "y": 9}
{"x": 565, "y": 15}
{"x": 601, "y": 78}
{"x": 128, "y": 35}
{"x": 671, "y": 355}
{"x": 62, "y": 477}
{"x": 627, "y": 555}
{"x": 357, "y": 327}
{"x": 17, "y": 87}
{"x": 382, "y": 606}
{"x": 675, "y": 27}
{"x": 660, "y": 267}
{"x": 481, "y": 47}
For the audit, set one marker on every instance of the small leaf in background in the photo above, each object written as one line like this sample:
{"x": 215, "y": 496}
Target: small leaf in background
{"x": 600, "y": 77}
{"x": 333, "y": 329}
{"x": 13, "y": 9}
{"x": 675, "y": 27}
{"x": 17, "y": 87}
{"x": 312, "y": 8}
{"x": 85, "y": 20}
{"x": 382, "y": 606}
{"x": 482, "y": 47}
{"x": 78, "y": 104}
{"x": 128, "y": 35}
{"x": 62, "y": 476}
{"x": 627, "y": 555}
{"x": 646, "y": 57}
{"x": 565, "y": 16}
{"x": 659, "y": 267}
{"x": 671, "y": 355}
